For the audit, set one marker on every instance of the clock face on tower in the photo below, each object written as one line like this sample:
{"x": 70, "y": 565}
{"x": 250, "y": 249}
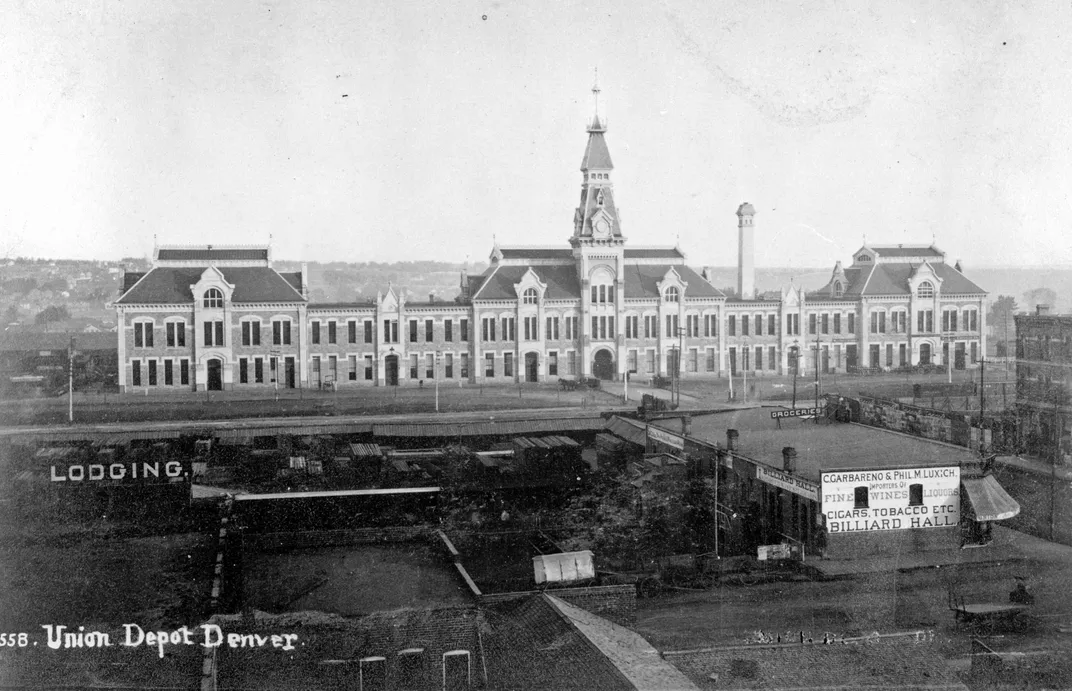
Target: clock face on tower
{"x": 601, "y": 228}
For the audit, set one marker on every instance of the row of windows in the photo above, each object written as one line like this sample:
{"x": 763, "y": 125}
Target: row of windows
{"x": 213, "y": 331}
{"x": 151, "y": 374}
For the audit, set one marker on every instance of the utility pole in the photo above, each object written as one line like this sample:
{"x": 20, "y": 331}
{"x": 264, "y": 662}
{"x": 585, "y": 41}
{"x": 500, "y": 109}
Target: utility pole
{"x": 794, "y": 354}
{"x": 70, "y": 381}
{"x": 436, "y": 377}
{"x": 982, "y": 392}
{"x": 818, "y": 382}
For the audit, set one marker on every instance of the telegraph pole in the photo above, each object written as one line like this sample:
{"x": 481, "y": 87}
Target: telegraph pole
{"x": 818, "y": 382}
{"x": 436, "y": 373}
{"x": 70, "y": 381}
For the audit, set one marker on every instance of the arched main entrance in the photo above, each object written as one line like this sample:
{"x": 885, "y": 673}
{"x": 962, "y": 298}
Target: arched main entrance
{"x": 603, "y": 365}
{"x": 390, "y": 364}
{"x": 532, "y": 367}
{"x": 215, "y": 374}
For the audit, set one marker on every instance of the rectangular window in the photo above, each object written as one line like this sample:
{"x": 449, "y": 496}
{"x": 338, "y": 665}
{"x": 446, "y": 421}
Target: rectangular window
{"x": 448, "y": 365}
{"x": 772, "y": 358}
{"x": 851, "y": 327}
{"x": 277, "y": 333}
{"x": 974, "y": 326}
{"x": 465, "y": 366}
{"x": 874, "y": 322}
{"x": 552, "y": 363}
{"x": 489, "y": 365}
{"x": 826, "y": 323}
{"x": 508, "y": 364}
{"x": 243, "y": 371}
{"x": 811, "y": 324}
{"x": 710, "y": 360}
{"x": 258, "y": 370}
{"x": 595, "y": 327}
{"x": 930, "y": 321}
{"x": 571, "y": 362}
{"x": 429, "y": 331}
{"x": 882, "y": 322}
{"x": 649, "y": 359}
{"x": 332, "y": 332}
{"x": 974, "y": 352}
{"x": 412, "y": 330}
{"x": 465, "y": 330}
{"x": 429, "y": 366}
{"x": 694, "y": 360}
{"x": 772, "y": 329}
{"x": 837, "y": 322}
{"x": 246, "y": 338}
{"x": 448, "y": 330}
{"x": 139, "y": 335}
{"x": 351, "y": 367}
{"x": 152, "y": 372}
{"x": 759, "y": 358}
{"x": 732, "y": 326}
{"x": 169, "y": 373}
{"x": 531, "y": 330}
{"x": 208, "y": 333}
{"x": 135, "y": 372}
{"x": 315, "y": 331}
{"x": 414, "y": 366}
{"x": 255, "y": 332}
{"x": 631, "y": 362}
{"x": 744, "y": 324}
{"x": 184, "y": 372}
{"x": 889, "y": 355}
{"x": 903, "y": 355}
{"x": 351, "y": 331}
{"x": 368, "y": 368}
{"x": 368, "y": 331}
{"x": 169, "y": 334}
{"x": 508, "y": 331}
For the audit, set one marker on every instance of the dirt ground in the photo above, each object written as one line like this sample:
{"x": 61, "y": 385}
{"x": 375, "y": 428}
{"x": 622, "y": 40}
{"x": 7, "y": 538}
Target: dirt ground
{"x": 884, "y": 602}
{"x": 350, "y": 580}
{"x": 238, "y": 404}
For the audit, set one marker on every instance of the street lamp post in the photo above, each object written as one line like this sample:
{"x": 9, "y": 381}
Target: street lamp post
{"x": 794, "y": 355}
{"x": 818, "y": 380}
{"x": 70, "y": 381}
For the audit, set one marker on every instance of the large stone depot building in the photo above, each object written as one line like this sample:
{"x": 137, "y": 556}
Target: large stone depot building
{"x": 222, "y": 318}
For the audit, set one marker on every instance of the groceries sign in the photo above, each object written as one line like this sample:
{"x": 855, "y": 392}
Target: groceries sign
{"x": 867, "y": 500}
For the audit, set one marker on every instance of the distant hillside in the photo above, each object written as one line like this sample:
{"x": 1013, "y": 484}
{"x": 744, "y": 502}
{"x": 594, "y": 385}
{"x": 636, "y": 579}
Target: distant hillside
{"x": 352, "y": 282}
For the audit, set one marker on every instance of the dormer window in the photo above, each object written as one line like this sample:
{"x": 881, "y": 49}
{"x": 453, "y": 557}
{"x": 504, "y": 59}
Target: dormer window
{"x": 599, "y": 198}
{"x": 529, "y": 297}
{"x": 672, "y": 294}
{"x": 213, "y": 298}
{"x": 839, "y": 289}
{"x": 925, "y": 290}
{"x": 863, "y": 258}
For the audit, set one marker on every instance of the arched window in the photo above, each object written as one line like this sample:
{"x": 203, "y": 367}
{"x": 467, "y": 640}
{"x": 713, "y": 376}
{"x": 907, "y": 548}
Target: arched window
{"x": 672, "y": 295}
{"x": 839, "y": 289}
{"x": 529, "y": 296}
{"x": 863, "y": 258}
{"x": 213, "y": 298}
{"x": 925, "y": 290}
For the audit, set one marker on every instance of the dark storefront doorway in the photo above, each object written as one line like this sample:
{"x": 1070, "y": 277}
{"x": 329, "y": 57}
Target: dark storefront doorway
{"x": 958, "y": 356}
{"x": 924, "y": 353}
{"x": 532, "y": 367}
{"x": 288, "y": 371}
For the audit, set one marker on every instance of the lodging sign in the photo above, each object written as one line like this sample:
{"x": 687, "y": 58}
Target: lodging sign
{"x": 791, "y": 483}
{"x": 901, "y": 499}
{"x": 659, "y": 435}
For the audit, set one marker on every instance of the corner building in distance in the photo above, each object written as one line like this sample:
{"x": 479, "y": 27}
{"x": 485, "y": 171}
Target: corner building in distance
{"x": 223, "y": 318}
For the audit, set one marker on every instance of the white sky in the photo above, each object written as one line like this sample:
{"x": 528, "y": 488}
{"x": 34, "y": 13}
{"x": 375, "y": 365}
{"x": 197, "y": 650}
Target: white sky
{"x": 206, "y": 121}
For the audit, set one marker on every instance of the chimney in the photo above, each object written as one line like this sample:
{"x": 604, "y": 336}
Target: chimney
{"x": 731, "y": 439}
{"x": 1042, "y": 310}
{"x": 305, "y": 280}
{"x": 789, "y": 459}
{"x": 746, "y": 270}
{"x": 431, "y": 296}
{"x": 959, "y": 267}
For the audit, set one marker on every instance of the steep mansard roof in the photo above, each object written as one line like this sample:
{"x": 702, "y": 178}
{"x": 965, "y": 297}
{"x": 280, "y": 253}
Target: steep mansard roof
{"x": 892, "y": 279}
{"x": 171, "y": 285}
{"x": 641, "y": 281}
{"x": 208, "y": 254}
{"x": 596, "y": 154}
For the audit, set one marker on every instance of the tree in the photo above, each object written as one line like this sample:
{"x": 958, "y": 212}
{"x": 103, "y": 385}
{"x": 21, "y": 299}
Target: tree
{"x": 11, "y": 314}
{"x": 52, "y": 313}
{"x": 1040, "y": 296}
{"x": 1000, "y": 319}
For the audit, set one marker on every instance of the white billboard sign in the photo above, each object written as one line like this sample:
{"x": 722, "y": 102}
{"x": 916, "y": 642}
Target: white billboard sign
{"x": 898, "y": 499}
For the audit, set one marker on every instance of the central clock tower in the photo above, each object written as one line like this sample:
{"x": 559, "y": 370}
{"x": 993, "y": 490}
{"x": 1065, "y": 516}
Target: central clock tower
{"x": 599, "y": 253}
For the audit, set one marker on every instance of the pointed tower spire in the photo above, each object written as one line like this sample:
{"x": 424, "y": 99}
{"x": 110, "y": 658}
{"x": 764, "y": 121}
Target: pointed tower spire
{"x": 597, "y": 125}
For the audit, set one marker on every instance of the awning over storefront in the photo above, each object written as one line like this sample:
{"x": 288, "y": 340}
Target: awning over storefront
{"x": 989, "y": 499}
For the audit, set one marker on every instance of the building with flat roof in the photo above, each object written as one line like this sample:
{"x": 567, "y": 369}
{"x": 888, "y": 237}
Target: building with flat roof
{"x": 1044, "y": 383}
{"x": 839, "y": 489}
